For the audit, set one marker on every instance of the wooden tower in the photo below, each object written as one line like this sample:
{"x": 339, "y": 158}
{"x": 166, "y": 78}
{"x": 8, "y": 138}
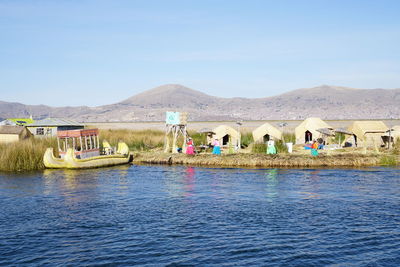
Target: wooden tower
{"x": 175, "y": 124}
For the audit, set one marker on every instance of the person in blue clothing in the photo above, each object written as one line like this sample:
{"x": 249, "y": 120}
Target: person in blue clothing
{"x": 217, "y": 147}
{"x": 314, "y": 147}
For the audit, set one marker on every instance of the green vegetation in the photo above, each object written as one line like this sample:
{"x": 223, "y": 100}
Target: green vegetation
{"x": 289, "y": 138}
{"x": 198, "y": 138}
{"x": 280, "y": 145}
{"x": 142, "y": 140}
{"x": 396, "y": 147}
{"x": 246, "y": 139}
{"x": 26, "y": 155}
{"x": 388, "y": 160}
{"x": 259, "y": 148}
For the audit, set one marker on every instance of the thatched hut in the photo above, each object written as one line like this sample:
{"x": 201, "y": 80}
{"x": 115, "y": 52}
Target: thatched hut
{"x": 266, "y": 132}
{"x": 368, "y": 133}
{"x": 9, "y": 134}
{"x": 227, "y": 135}
{"x": 312, "y": 129}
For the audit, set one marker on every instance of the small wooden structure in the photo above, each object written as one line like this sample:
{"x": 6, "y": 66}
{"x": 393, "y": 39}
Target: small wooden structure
{"x": 368, "y": 133}
{"x": 265, "y": 132}
{"x": 175, "y": 124}
{"x": 209, "y": 136}
{"x": 85, "y": 142}
{"x": 50, "y": 126}
{"x": 348, "y": 137}
{"x": 312, "y": 129}
{"x": 9, "y": 134}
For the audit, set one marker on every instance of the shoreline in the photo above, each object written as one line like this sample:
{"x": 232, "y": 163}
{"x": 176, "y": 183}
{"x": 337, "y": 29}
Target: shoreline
{"x": 269, "y": 161}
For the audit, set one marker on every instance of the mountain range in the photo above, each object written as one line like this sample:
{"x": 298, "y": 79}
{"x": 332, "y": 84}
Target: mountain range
{"x": 327, "y": 102}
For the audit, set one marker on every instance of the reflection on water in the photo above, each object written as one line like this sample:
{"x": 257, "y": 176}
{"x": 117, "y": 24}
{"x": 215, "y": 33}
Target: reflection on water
{"x": 176, "y": 215}
{"x": 271, "y": 183}
{"x": 181, "y": 182}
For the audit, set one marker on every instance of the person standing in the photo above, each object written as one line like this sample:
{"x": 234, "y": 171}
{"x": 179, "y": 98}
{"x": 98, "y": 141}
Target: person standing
{"x": 190, "y": 147}
{"x": 217, "y": 148}
{"x": 314, "y": 147}
{"x": 271, "y": 149}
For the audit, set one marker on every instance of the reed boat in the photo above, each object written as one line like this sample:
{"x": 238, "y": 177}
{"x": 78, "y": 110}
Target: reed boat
{"x": 80, "y": 149}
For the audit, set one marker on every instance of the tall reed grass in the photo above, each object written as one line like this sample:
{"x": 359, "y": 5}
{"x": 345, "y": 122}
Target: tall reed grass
{"x": 26, "y": 155}
{"x": 136, "y": 140}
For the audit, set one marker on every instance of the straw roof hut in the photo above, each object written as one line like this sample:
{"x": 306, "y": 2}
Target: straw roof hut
{"x": 265, "y": 132}
{"x": 368, "y": 133}
{"x": 10, "y": 133}
{"x": 312, "y": 129}
{"x": 227, "y": 135}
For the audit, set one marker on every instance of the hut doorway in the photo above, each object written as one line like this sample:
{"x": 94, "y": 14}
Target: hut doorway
{"x": 355, "y": 140}
{"x": 225, "y": 140}
{"x": 308, "y": 137}
{"x": 266, "y": 138}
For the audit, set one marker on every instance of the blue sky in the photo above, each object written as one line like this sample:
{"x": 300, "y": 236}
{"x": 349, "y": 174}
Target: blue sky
{"x": 100, "y": 52}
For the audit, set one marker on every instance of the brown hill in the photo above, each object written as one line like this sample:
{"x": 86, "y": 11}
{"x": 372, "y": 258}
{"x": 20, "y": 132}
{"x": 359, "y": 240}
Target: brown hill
{"x": 328, "y": 102}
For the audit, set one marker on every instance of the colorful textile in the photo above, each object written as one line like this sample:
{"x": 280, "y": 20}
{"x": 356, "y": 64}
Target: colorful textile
{"x": 190, "y": 150}
{"x": 216, "y": 150}
{"x": 271, "y": 150}
{"x": 314, "y": 152}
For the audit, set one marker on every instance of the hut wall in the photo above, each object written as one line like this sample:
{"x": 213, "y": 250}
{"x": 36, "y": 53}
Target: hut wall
{"x": 44, "y": 131}
{"x": 9, "y": 138}
{"x": 371, "y": 140}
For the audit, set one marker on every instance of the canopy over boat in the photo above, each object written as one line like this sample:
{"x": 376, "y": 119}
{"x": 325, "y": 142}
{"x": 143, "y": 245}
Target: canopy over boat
{"x": 84, "y": 142}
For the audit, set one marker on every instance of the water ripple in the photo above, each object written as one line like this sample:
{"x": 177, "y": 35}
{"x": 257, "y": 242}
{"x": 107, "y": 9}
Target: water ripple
{"x": 184, "y": 216}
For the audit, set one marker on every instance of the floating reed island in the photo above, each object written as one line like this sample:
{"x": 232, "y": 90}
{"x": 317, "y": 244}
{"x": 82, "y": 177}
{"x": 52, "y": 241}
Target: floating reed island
{"x": 253, "y": 160}
{"x": 147, "y": 148}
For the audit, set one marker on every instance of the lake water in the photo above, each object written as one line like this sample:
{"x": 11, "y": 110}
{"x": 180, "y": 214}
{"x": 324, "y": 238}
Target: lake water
{"x": 176, "y": 215}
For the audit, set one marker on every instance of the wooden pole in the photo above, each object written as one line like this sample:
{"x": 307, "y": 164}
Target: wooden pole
{"x": 86, "y": 146}
{"x": 166, "y": 138}
{"x": 90, "y": 142}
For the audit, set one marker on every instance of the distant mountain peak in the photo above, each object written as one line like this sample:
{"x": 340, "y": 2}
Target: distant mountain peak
{"x": 324, "y": 101}
{"x": 167, "y": 94}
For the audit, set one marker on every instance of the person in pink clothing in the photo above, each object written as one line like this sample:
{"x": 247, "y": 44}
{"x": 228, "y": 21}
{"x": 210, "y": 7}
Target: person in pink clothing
{"x": 190, "y": 147}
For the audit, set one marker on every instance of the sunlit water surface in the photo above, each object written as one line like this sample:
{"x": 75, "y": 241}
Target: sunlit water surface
{"x": 163, "y": 215}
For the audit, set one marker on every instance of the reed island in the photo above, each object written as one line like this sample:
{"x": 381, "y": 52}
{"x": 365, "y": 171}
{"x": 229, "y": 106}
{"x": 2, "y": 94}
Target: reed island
{"x": 148, "y": 147}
